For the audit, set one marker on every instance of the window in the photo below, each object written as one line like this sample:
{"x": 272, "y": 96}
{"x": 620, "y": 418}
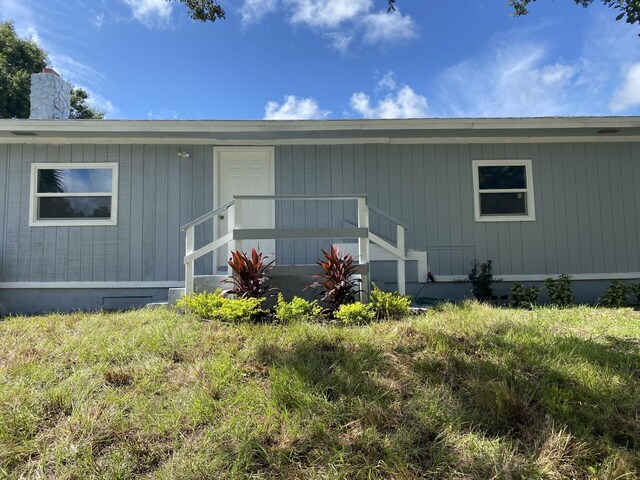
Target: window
{"x": 503, "y": 191}
{"x": 74, "y": 194}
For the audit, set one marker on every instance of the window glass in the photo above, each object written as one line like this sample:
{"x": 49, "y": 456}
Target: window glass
{"x": 74, "y": 207}
{"x": 502, "y": 177}
{"x": 503, "y": 204}
{"x": 74, "y": 180}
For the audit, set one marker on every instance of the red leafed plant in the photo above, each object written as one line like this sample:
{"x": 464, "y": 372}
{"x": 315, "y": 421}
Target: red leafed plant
{"x": 249, "y": 278}
{"x": 337, "y": 283}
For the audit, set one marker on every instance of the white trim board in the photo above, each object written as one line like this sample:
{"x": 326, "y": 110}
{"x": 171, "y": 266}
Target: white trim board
{"x": 88, "y": 285}
{"x": 541, "y": 278}
{"x": 439, "y": 279}
{"x": 314, "y": 141}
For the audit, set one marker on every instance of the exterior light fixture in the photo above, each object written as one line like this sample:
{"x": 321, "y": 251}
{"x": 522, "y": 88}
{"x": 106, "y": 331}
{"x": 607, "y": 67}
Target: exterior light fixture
{"x": 183, "y": 154}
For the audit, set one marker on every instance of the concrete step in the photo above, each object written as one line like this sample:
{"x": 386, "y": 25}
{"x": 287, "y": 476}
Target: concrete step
{"x": 208, "y": 283}
{"x": 175, "y": 294}
{"x": 157, "y": 305}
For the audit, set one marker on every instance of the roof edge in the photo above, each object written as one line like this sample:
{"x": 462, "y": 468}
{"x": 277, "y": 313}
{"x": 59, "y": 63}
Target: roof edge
{"x": 213, "y": 126}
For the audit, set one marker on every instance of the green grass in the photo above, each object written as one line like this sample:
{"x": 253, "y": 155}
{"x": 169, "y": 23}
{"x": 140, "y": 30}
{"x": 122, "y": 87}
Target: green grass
{"x": 462, "y": 392}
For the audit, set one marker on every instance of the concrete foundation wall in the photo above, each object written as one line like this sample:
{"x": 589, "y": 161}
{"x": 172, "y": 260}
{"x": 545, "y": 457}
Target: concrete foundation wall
{"x": 33, "y": 301}
{"x": 23, "y": 301}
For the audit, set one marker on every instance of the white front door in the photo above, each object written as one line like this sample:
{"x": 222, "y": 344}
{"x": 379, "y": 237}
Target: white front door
{"x": 246, "y": 171}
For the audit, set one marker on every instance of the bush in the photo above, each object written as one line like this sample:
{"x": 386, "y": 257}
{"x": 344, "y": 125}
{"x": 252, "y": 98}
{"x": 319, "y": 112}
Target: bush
{"x": 616, "y": 295}
{"x": 298, "y": 309}
{"x": 356, "y": 313}
{"x": 522, "y": 297}
{"x": 635, "y": 291}
{"x": 249, "y": 275}
{"x": 389, "y": 304}
{"x": 482, "y": 277}
{"x": 215, "y": 306}
{"x": 336, "y": 283}
{"x": 559, "y": 290}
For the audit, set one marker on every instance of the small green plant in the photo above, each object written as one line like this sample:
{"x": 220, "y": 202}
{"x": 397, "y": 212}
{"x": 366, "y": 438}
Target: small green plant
{"x": 215, "y": 306}
{"x": 249, "y": 278}
{"x": 336, "y": 282}
{"x": 616, "y": 295}
{"x": 522, "y": 297}
{"x": 357, "y": 313}
{"x": 635, "y": 291}
{"x": 482, "y": 277}
{"x": 298, "y": 309}
{"x": 559, "y": 290}
{"x": 389, "y": 304}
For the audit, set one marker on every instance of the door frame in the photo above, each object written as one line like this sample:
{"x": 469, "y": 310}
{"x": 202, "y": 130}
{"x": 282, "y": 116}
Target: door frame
{"x": 217, "y": 150}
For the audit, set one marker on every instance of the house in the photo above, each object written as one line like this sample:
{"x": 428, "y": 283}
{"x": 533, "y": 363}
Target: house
{"x": 93, "y": 211}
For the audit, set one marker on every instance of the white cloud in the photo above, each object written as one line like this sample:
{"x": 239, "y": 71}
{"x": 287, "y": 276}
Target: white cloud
{"x": 82, "y": 75}
{"x": 558, "y": 74}
{"x": 405, "y": 103}
{"x": 22, "y": 16}
{"x": 151, "y": 13}
{"x": 163, "y": 114}
{"x": 341, "y": 22}
{"x": 627, "y": 95}
{"x": 388, "y": 28}
{"x": 387, "y": 82}
{"x": 521, "y": 74}
{"x": 73, "y": 70}
{"x": 253, "y": 11}
{"x": 101, "y": 103}
{"x": 341, "y": 41}
{"x": 327, "y": 13}
{"x": 514, "y": 80}
{"x": 99, "y": 20}
{"x": 294, "y": 108}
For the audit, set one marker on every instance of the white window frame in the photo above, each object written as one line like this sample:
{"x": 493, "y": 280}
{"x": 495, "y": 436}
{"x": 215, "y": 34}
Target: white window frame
{"x": 530, "y": 216}
{"x": 34, "y": 221}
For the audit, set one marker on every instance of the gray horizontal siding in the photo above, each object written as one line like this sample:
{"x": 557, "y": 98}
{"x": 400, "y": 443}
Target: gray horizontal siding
{"x": 587, "y": 203}
{"x": 587, "y": 207}
{"x": 157, "y": 194}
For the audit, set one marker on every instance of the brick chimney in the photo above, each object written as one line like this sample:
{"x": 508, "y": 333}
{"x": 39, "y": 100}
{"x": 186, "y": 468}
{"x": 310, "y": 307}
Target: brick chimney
{"x": 50, "y": 96}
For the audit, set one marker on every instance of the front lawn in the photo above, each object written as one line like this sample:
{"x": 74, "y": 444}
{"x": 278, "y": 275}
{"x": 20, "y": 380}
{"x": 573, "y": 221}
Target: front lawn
{"x": 463, "y": 392}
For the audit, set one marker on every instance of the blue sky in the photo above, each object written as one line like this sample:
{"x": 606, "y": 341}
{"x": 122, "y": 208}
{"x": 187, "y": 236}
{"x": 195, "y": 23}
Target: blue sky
{"x": 145, "y": 59}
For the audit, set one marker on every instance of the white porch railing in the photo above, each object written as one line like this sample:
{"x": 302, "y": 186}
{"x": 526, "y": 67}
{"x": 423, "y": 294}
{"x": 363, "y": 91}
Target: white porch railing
{"x": 236, "y": 233}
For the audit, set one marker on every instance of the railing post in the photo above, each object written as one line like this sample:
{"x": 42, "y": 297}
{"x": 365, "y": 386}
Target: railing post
{"x": 238, "y": 220}
{"x": 232, "y": 220}
{"x": 402, "y": 275}
{"x": 188, "y": 267}
{"x": 363, "y": 245}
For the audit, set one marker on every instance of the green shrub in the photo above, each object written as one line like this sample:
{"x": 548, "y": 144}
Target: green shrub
{"x": 249, "y": 277}
{"x": 389, "y": 304}
{"x": 616, "y": 295}
{"x": 522, "y": 297}
{"x": 214, "y": 306}
{"x": 298, "y": 309}
{"x": 337, "y": 282}
{"x": 356, "y": 313}
{"x": 635, "y": 291}
{"x": 481, "y": 276}
{"x": 559, "y": 290}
